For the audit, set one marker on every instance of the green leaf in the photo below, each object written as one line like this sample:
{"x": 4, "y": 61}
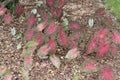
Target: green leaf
{"x": 55, "y": 61}
{"x": 91, "y": 22}
{"x": 31, "y": 44}
{"x": 73, "y": 53}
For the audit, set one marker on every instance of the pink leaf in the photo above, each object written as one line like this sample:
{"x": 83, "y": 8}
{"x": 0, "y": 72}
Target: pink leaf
{"x": 52, "y": 45}
{"x": 31, "y": 20}
{"x": 92, "y": 45}
{"x": 43, "y": 51}
{"x": 42, "y": 26}
{"x": 107, "y": 73}
{"x": 8, "y": 77}
{"x": 103, "y": 48}
{"x": 54, "y": 12}
{"x": 2, "y": 10}
{"x": 55, "y": 61}
{"x": 29, "y": 34}
{"x": 8, "y": 18}
{"x": 90, "y": 66}
{"x": 73, "y": 53}
{"x": 74, "y": 25}
{"x": 116, "y": 37}
{"x": 100, "y": 11}
{"x": 51, "y": 28}
{"x": 59, "y": 13}
{"x": 62, "y": 37}
{"x": 49, "y": 3}
{"x": 102, "y": 32}
{"x": 18, "y": 9}
{"x": 75, "y": 36}
{"x": 61, "y": 3}
{"x": 39, "y": 38}
{"x": 28, "y": 62}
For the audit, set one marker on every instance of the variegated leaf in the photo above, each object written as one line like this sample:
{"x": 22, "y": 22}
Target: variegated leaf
{"x": 55, "y": 61}
{"x": 73, "y": 53}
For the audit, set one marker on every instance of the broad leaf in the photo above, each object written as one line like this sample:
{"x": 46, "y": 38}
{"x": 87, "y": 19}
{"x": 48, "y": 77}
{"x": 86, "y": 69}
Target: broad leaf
{"x": 73, "y": 53}
{"x": 31, "y": 44}
{"x": 62, "y": 37}
{"x": 55, "y": 61}
{"x": 24, "y": 73}
{"x": 74, "y": 25}
{"x": 51, "y": 28}
{"x": 106, "y": 73}
{"x": 28, "y": 62}
{"x": 44, "y": 50}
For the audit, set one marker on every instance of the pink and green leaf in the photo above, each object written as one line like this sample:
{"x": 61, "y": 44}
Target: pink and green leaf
{"x": 50, "y": 3}
{"x": 8, "y": 18}
{"x": 41, "y": 26}
{"x": 61, "y": 3}
{"x": 51, "y": 28}
{"x": 62, "y": 37}
{"x": 28, "y": 62}
{"x": 55, "y": 61}
{"x": 103, "y": 49}
{"x": 29, "y": 34}
{"x": 2, "y": 10}
{"x": 106, "y": 73}
{"x": 31, "y": 43}
{"x": 72, "y": 54}
{"x": 116, "y": 37}
{"x": 24, "y": 74}
{"x": 74, "y": 25}
{"x": 52, "y": 45}
{"x": 44, "y": 50}
{"x": 102, "y": 32}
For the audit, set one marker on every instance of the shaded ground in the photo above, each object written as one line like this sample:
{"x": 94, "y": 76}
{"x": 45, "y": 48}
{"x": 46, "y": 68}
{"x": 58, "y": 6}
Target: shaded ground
{"x": 77, "y": 10}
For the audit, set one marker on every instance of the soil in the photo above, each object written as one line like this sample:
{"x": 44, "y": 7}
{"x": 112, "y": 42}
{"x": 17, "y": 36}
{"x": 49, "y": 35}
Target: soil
{"x": 77, "y": 10}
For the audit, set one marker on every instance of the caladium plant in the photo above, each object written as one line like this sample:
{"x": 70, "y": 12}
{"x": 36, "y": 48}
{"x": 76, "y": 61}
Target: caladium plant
{"x": 28, "y": 62}
{"x": 24, "y": 73}
{"x": 2, "y": 10}
{"x": 55, "y": 61}
{"x": 62, "y": 37}
{"x": 8, "y": 18}
{"x": 44, "y": 50}
{"x": 89, "y": 66}
{"x": 74, "y": 25}
{"x": 106, "y": 73}
{"x": 73, "y": 53}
